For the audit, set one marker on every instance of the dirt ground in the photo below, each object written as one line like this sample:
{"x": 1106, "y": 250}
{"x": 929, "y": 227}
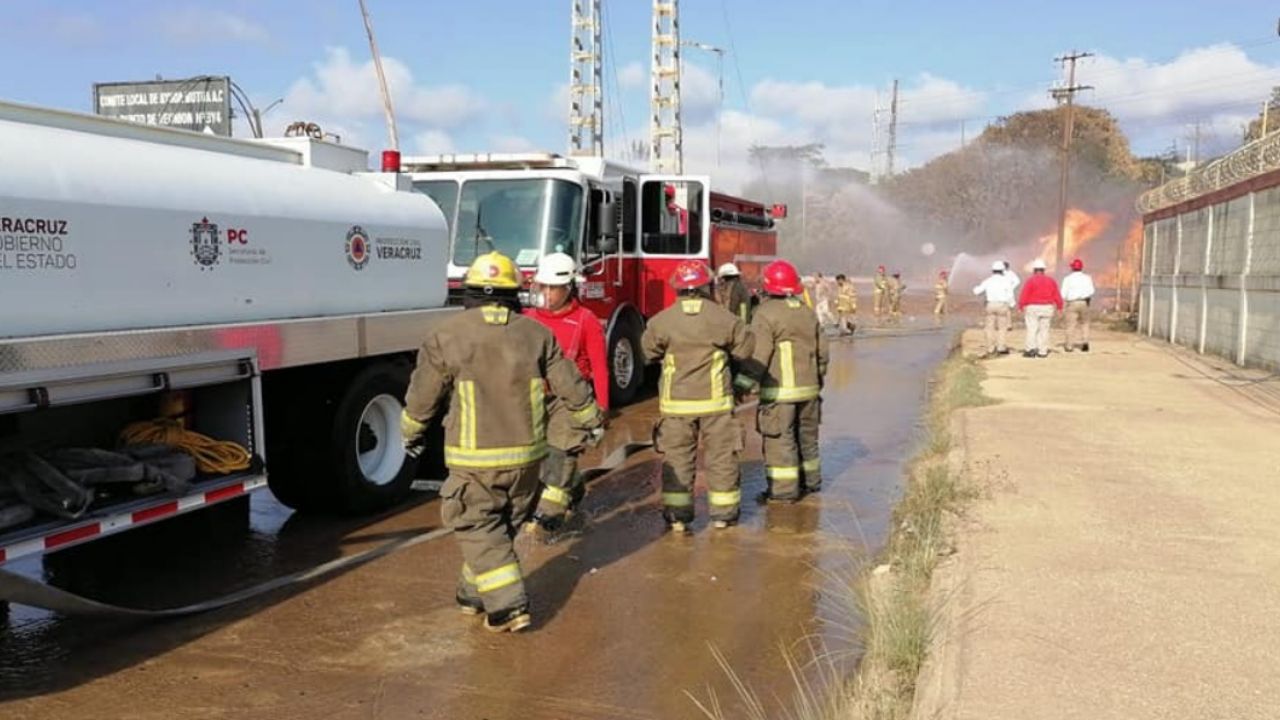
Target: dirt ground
{"x": 625, "y": 616}
{"x": 1127, "y": 561}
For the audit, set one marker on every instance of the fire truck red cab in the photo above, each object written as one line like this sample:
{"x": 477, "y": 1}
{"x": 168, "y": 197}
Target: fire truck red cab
{"x": 627, "y": 230}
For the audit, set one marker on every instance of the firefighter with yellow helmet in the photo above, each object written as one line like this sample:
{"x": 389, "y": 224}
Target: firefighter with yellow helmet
{"x": 495, "y": 430}
{"x": 699, "y": 343}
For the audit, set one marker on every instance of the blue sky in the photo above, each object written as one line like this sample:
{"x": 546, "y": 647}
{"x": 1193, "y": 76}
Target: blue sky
{"x": 490, "y": 74}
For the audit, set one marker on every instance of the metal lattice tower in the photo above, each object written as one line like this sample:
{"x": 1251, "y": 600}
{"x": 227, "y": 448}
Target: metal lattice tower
{"x": 666, "y": 141}
{"x": 586, "y": 75}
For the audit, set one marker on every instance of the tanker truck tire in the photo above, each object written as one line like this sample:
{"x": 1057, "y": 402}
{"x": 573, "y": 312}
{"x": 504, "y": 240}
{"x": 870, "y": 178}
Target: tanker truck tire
{"x": 369, "y": 469}
{"x": 626, "y": 362}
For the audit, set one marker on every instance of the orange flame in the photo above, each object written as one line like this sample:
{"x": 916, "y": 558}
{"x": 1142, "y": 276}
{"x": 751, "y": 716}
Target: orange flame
{"x": 1125, "y": 273}
{"x": 1081, "y": 229}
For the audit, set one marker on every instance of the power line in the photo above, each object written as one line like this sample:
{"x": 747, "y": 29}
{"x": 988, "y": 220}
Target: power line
{"x": 742, "y": 91}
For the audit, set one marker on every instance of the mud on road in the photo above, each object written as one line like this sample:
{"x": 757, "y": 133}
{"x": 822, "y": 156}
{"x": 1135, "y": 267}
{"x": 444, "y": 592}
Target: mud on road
{"x": 625, "y": 615}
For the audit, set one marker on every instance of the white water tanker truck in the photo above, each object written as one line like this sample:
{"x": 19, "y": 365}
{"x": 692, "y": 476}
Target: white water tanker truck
{"x": 263, "y": 295}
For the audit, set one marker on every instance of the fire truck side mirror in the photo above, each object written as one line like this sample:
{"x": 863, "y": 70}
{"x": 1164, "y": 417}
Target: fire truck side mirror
{"x": 610, "y": 214}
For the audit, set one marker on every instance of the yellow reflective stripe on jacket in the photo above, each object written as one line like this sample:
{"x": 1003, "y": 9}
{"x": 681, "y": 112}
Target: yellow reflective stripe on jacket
{"x": 498, "y": 578}
{"x": 467, "y": 413}
{"x": 789, "y": 472}
{"x": 500, "y": 457}
{"x": 722, "y": 498}
{"x": 409, "y": 427}
{"x": 677, "y": 499}
{"x": 495, "y": 315}
{"x": 812, "y": 466}
{"x": 718, "y": 402}
{"x": 695, "y": 407}
{"x": 587, "y": 414}
{"x": 787, "y": 363}
{"x": 691, "y": 307}
{"x": 553, "y": 494}
{"x": 743, "y": 382}
{"x": 537, "y": 407}
{"x": 743, "y": 309}
{"x": 790, "y": 394}
{"x": 719, "y": 363}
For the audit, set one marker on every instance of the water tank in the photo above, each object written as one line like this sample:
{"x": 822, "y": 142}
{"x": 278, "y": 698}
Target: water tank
{"x": 105, "y": 226}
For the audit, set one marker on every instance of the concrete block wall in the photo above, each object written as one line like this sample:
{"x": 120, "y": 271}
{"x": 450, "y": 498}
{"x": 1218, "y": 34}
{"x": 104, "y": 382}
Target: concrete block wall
{"x": 1211, "y": 277}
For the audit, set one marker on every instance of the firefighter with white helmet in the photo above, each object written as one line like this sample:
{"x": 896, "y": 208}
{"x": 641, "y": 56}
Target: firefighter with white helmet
{"x": 495, "y": 430}
{"x": 789, "y": 363}
{"x": 698, "y": 342}
{"x": 581, "y": 338}
{"x": 731, "y": 293}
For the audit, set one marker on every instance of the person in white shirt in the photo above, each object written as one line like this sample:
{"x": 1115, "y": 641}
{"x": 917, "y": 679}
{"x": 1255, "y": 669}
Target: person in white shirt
{"x": 999, "y": 296}
{"x": 1077, "y": 292}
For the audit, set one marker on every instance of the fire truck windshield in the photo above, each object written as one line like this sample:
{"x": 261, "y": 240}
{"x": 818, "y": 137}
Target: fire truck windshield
{"x": 520, "y": 218}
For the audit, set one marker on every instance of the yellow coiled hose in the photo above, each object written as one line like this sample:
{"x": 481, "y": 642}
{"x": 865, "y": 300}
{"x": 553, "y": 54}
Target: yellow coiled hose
{"x": 219, "y": 457}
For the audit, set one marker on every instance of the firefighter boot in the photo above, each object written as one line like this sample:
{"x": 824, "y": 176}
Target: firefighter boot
{"x": 513, "y": 620}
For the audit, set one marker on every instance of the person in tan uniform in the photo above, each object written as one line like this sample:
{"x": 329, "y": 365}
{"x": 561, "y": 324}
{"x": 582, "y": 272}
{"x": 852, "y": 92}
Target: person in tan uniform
{"x": 495, "y": 430}
{"x": 894, "y": 292}
{"x": 940, "y": 289}
{"x": 846, "y": 306}
{"x": 699, "y": 343}
{"x": 789, "y": 363}
{"x": 880, "y": 289}
{"x": 731, "y": 293}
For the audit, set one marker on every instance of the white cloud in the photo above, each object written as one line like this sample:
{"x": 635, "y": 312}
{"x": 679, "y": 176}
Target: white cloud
{"x": 194, "y": 24}
{"x": 432, "y": 142}
{"x": 512, "y": 144}
{"x": 1218, "y": 86}
{"x": 633, "y": 76}
{"x": 347, "y": 91}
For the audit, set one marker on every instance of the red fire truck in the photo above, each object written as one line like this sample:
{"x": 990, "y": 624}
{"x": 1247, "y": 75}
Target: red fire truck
{"x": 627, "y": 230}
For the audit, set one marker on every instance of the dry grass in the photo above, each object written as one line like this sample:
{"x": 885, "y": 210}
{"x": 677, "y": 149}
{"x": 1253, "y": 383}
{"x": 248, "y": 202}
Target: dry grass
{"x": 890, "y": 597}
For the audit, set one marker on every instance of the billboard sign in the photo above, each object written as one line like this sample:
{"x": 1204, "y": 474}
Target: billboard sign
{"x": 192, "y": 104}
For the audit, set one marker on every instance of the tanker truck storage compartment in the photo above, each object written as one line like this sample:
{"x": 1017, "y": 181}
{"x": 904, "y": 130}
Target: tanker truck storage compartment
{"x": 90, "y": 450}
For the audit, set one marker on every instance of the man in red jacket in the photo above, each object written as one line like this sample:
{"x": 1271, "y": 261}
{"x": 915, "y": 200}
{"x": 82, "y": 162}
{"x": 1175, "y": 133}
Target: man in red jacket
{"x": 1039, "y": 301}
{"x": 581, "y": 338}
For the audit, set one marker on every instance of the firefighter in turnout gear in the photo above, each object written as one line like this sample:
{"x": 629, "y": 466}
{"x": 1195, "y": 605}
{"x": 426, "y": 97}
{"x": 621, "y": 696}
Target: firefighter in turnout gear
{"x": 895, "y": 290}
{"x": 699, "y": 343}
{"x": 880, "y": 289}
{"x": 731, "y": 293}
{"x": 495, "y": 430}
{"x": 846, "y": 305}
{"x": 940, "y": 289}
{"x": 581, "y": 339}
{"x": 789, "y": 363}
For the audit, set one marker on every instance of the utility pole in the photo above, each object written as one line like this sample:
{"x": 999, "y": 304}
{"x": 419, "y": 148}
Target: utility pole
{"x": 586, "y": 86}
{"x": 392, "y": 132}
{"x": 893, "y": 129}
{"x": 1066, "y": 95}
{"x": 666, "y": 142}
{"x": 875, "y": 141}
{"x": 962, "y": 133}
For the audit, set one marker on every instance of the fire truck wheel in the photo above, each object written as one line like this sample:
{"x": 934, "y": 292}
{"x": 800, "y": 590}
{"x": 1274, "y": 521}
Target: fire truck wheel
{"x": 626, "y": 362}
{"x": 369, "y": 469}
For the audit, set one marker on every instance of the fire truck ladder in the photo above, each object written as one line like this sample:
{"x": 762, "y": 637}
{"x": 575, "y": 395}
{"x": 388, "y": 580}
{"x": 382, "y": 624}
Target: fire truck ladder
{"x": 666, "y": 142}
{"x": 586, "y": 87}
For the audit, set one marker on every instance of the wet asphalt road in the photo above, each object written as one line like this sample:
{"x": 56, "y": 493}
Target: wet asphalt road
{"x": 627, "y": 619}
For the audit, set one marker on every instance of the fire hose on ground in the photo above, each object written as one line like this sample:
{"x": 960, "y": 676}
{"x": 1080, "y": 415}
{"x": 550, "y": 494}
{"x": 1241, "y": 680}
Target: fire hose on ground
{"x": 19, "y": 589}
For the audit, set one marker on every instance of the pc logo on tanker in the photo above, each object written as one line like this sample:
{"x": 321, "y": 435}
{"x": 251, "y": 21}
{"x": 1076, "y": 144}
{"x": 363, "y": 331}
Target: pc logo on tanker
{"x": 357, "y": 247}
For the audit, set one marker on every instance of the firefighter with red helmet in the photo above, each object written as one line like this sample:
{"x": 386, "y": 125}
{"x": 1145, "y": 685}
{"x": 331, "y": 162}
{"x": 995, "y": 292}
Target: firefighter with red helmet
{"x": 495, "y": 430}
{"x": 790, "y": 364}
{"x": 698, "y": 343}
{"x": 577, "y": 330}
